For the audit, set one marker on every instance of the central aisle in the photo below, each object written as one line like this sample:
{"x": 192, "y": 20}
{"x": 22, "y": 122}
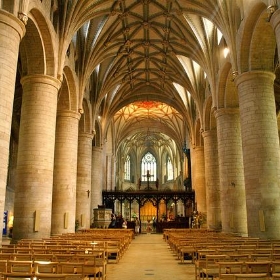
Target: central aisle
{"x": 149, "y": 257}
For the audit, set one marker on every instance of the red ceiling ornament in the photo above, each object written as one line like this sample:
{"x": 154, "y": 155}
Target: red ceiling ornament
{"x": 147, "y": 104}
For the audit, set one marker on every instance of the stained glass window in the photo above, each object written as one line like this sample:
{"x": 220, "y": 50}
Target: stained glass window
{"x": 148, "y": 167}
{"x": 169, "y": 169}
{"x": 127, "y": 168}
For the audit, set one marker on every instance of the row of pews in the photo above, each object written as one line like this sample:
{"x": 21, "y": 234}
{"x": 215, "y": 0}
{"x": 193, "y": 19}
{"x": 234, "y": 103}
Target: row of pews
{"x": 225, "y": 256}
{"x": 74, "y": 256}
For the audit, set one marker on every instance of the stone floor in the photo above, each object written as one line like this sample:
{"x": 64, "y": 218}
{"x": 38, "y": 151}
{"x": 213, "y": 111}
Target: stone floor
{"x": 149, "y": 257}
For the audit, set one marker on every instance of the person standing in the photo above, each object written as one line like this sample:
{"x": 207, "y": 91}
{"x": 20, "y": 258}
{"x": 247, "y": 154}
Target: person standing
{"x": 154, "y": 224}
{"x": 137, "y": 226}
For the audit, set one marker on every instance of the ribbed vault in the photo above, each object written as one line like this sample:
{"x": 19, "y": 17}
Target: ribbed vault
{"x": 147, "y": 51}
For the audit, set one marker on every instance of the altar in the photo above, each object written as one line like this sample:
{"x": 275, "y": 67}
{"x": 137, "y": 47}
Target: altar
{"x": 101, "y": 217}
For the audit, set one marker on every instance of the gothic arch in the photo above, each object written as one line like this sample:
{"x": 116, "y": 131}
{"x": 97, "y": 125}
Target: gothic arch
{"x": 257, "y": 46}
{"x": 227, "y": 90}
{"x": 85, "y": 124}
{"x": 37, "y": 49}
{"x": 68, "y": 95}
{"x": 198, "y": 137}
{"x": 97, "y": 141}
{"x": 209, "y": 118}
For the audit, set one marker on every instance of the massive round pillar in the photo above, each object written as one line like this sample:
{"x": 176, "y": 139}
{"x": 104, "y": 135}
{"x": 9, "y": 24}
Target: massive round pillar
{"x": 65, "y": 172}
{"x": 198, "y": 178}
{"x": 260, "y": 143}
{"x": 34, "y": 182}
{"x": 212, "y": 180}
{"x": 11, "y": 32}
{"x": 96, "y": 181}
{"x": 83, "y": 193}
{"x": 232, "y": 187}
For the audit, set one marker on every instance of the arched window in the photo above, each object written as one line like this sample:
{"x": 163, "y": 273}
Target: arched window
{"x": 148, "y": 167}
{"x": 169, "y": 169}
{"x": 127, "y": 168}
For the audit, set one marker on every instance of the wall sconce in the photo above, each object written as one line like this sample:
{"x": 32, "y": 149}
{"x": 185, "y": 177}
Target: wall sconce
{"x": 88, "y": 192}
{"x": 270, "y": 10}
{"x": 234, "y": 75}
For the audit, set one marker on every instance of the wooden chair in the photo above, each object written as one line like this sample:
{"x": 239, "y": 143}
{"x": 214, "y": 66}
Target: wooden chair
{"x": 201, "y": 253}
{"x": 211, "y": 268}
{"x": 199, "y": 264}
{"x": 258, "y": 267}
{"x": 275, "y": 257}
{"x": 58, "y": 276}
{"x": 63, "y": 257}
{"x": 200, "y": 260}
{"x": 43, "y": 267}
{"x": 21, "y": 257}
{"x": 95, "y": 264}
{"x": 226, "y": 251}
{"x": 227, "y": 276}
{"x": 7, "y": 250}
{"x": 275, "y": 267}
{"x": 19, "y": 269}
{"x": 85, "y": 270}
{"x": 93, "y": 270}
{"x": 39, "y": 250}
{"x": 251, "y": 276}
{"x": 70, "y": 268}
{"x": 239, "y": 257}
{"x": 23, "y": 250}
{"x": 186, "y": 252}
{"x": 43, "y": 257}
{"x": 113, "y": 251}
{"x": 261, "y": 257}
{"x": 3, "y": 267}
{"x": 230, "y": 267}
{"x": 5, "y": 256}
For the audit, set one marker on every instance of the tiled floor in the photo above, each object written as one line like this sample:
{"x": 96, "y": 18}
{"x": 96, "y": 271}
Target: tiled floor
{"x": 149, "y": 257}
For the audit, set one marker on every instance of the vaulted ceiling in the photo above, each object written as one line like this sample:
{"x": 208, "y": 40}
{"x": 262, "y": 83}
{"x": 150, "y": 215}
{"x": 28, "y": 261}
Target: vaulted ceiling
{"x": 148, "y": 60}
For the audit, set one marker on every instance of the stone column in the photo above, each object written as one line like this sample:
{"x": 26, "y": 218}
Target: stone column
{"x": 275, "y": 22}
{"x": 33, "y": 194}
{"x": 260, "y": 152}
{"x": 109, "y": 172}
{"x": 65, "y": 172}
{"x": 83, "y": 194}
{"x": 198, "y": 177}
{"x": 113, "y": 176}
{"x": 11, "y": 32}
{"x": 212, "y": 180}
{"x": 233, "y": 198}
{"x": 96, "y": 179}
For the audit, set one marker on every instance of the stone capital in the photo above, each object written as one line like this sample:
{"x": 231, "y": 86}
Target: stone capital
{"x": 209, "y": 133}
{"x": 41, "y": 79}
{"x": 86, "y": 135}
{"x": 226, "y": 111}
{"x": 69, "y": 114}
{"x": 13, "y": 22}
{"x": 254, "y": 76}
